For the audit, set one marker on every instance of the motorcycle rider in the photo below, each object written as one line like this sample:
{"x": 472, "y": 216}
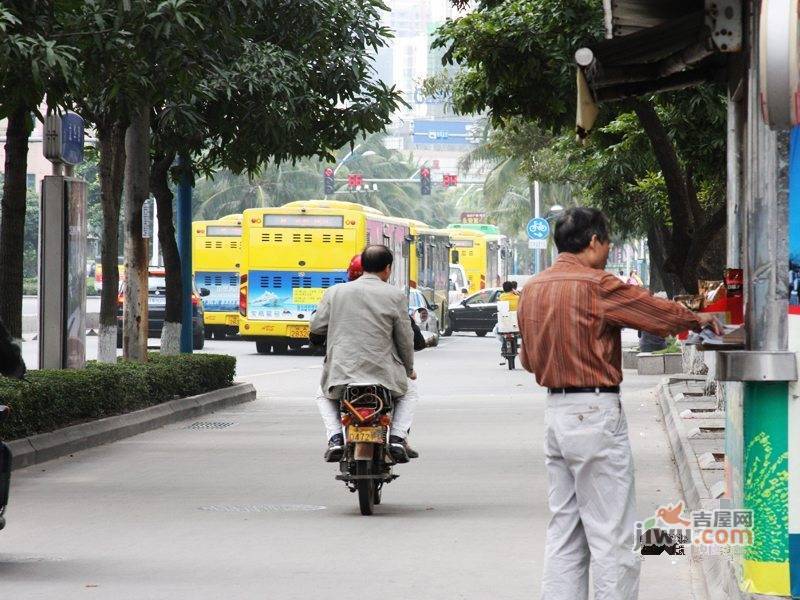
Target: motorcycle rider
{"x": 369, "y": 339}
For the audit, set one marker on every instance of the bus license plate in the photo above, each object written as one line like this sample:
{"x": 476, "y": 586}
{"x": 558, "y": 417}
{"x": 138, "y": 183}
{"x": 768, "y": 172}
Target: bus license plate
{"x": 374, "y": 435}
{"x": 298, "y": 332}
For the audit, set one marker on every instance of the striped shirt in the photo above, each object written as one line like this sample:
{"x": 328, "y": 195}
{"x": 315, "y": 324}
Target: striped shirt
{"x": 570, "y": 317}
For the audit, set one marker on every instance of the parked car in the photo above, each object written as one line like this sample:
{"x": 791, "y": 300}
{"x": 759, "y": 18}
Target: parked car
{"x": 430, "y": 329}
{"x": 477, "y": 313}
{"x": 156, "y": 307}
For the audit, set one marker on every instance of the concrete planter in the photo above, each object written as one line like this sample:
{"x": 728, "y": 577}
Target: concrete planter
{"x": 659, "y": 364}
{"x": 650, "y": 364}
{"x": 673, "y": 363}
{"x": 629, "y": 360}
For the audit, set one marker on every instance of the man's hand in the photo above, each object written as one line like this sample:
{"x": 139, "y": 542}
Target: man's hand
{"x": 709, "y": 320}
{"x": 413, "y": 376}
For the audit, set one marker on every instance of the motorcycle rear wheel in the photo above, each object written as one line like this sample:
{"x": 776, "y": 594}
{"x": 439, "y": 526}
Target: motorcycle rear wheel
{"x": 366, "y": 487}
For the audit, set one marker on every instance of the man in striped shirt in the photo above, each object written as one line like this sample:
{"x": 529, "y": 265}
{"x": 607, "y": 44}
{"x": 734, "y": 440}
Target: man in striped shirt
{"x": 570, "y": 317}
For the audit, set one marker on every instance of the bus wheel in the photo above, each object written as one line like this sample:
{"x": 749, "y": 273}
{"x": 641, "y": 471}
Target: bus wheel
{"x": 209, "y": 332}
{"x": 280, "y": 347}
{"x": 263, "y": 346}
{"x": 481, "y": 333}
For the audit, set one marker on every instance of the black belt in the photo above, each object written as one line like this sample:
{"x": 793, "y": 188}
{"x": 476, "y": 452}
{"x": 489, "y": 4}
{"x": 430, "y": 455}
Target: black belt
{"x": 614, "y": 389}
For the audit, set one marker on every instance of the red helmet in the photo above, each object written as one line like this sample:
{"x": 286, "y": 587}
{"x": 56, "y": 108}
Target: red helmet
{"x": 354, "y": 271}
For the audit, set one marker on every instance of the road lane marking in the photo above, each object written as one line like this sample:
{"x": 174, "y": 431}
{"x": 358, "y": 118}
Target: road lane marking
{"x": 281, "y": 372}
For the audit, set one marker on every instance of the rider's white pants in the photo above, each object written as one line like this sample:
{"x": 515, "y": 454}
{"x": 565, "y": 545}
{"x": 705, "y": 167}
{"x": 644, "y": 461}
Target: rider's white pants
{"x": 403, "y": 412}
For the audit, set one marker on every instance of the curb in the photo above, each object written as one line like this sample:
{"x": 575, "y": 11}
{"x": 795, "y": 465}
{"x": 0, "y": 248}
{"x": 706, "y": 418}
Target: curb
{"x": 694, "y": 488}
{"x": 61, "y": 442}
{"x": 717, "y": 572}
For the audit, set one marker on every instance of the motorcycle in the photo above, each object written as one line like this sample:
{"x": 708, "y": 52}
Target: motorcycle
{"x": 510, "y": 348}
{"x": 367, "y": 460}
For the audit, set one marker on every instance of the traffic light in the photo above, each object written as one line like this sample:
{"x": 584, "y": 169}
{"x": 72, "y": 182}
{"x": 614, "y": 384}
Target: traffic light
{"x": 355, "y": 180}
{"x": 450, "y": 180}
{"x": 425, "y": 181}
{"x": 330, "y": 186}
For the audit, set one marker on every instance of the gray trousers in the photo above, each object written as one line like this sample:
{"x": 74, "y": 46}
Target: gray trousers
{"x": 591, "y": 498}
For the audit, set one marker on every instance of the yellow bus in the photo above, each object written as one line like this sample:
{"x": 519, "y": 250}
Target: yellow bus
{"x": 429, "y": 267}
{"x": 216, "y": 254}
{"x": 478, "y": 255}
{"x": 292, "y": 253}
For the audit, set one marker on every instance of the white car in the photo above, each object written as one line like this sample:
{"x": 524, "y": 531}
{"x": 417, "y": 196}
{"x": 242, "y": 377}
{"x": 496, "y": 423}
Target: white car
{"x": 429, "y": 327}
{"x": 459, "y": 286}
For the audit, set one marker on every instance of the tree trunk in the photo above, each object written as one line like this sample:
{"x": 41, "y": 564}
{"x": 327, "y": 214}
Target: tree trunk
{"x": 693, "y": 229}
{"x": 159, "y": 186}
{"x": 660, "y": 281}
{"x": 111, "y": 171}
{"x": 12, "y": 220}
{"x": 137, "y": 176}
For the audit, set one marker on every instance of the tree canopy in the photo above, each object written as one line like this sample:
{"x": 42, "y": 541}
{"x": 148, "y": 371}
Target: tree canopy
{"x": 654, "y": 164}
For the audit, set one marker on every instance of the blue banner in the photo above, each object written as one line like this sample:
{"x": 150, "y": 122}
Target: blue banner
{"x": 287, "y": 295}
{"x": 224, "y": 288}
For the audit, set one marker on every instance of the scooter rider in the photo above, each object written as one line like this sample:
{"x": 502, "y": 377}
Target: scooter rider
{"x": 369, "y": 339}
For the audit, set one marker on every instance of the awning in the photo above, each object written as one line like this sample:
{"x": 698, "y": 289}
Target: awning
{"x": 657, "y": 45}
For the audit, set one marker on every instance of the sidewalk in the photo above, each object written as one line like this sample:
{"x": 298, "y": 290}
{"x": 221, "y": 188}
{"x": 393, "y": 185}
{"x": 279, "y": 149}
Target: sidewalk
{"x": 656, "y": 484}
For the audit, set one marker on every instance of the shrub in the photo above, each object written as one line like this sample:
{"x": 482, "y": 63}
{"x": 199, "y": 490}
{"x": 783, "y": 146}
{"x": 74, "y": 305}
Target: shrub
{"x": 49, "y": 400}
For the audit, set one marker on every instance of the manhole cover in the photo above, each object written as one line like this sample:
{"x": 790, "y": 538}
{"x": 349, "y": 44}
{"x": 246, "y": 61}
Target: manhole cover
{"x": 260, "y": 508}
{"x": 211, "y": 424}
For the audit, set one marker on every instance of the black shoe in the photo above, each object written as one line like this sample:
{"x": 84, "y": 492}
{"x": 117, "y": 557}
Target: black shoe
{"x": 411, "y": 452}
{"x": 335, "y": 448}
{"x": 398, "y": 449}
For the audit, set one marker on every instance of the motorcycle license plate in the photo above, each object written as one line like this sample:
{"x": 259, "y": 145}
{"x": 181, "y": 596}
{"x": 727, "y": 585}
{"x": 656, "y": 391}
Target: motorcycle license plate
{"x": 298, "y": 332}
{"x": 374, "y": 435}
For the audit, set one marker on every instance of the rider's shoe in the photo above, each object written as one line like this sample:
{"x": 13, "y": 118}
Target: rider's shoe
{"x": 398, "y": 448}
{"x": 410, "y": 451}
{"x": 335, "y": 448}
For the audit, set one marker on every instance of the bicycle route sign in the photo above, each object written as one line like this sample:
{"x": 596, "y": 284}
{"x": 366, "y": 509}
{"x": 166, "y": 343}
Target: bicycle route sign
{"x": 538, "y": 229}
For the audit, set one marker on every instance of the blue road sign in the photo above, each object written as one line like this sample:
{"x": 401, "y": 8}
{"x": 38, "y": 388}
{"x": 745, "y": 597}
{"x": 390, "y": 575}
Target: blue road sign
{"x": 538, "y": 229}
{"x": 72, "y": 139}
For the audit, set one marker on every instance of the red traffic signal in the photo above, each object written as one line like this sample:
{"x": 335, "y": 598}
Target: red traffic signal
{"x": 425, "y": 172}
{"x": 328, "y": 172}
{"x": 355, "y": 180}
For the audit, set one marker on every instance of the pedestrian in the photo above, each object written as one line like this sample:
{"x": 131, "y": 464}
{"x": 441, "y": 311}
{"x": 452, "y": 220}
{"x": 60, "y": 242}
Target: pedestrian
{"x": 634, "y": 279}
{"x": 570, "y": 317}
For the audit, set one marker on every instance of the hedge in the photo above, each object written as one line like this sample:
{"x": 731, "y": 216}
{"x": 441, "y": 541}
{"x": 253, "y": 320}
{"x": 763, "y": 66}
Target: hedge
{"x": 49, "y": 400}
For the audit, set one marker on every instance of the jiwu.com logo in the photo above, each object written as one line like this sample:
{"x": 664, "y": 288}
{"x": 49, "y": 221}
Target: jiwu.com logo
{"x": 670, "y": 530}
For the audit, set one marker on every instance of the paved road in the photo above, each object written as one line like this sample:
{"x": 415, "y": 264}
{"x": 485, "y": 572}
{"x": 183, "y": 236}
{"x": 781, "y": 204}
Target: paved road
{"x": 30, "y": 305}
{"x": 251, "y": 511}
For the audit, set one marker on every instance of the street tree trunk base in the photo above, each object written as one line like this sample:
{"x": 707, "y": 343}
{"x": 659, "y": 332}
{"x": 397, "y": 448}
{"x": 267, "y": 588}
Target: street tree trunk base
{"x": 171, "y": 339}
{"x": 107, "y": 344}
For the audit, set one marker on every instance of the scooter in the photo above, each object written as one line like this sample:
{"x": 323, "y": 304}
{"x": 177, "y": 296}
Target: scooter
{"x": 510, "y": 347}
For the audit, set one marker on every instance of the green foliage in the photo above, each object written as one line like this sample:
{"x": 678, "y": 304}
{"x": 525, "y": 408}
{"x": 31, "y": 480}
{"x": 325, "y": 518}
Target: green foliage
{"x": 620, "y": 175}
{"x": 275, "y": 185}
{"x": 516, "y": 57}
{"x": 34, "y": 56}
{"x": 48, "y": 400}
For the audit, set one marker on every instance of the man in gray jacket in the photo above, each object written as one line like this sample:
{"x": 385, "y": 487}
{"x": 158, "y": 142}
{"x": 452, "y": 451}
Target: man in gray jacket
{"x": 369, "y": 340}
